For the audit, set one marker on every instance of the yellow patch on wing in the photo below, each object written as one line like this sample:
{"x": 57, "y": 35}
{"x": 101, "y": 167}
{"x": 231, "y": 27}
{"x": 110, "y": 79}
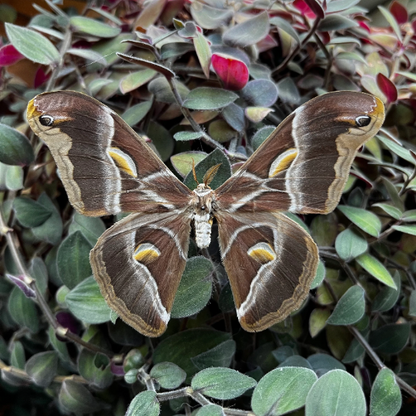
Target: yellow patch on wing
{"x": 262, "y": 252}
{"x": 282, "y": 161}
{"x": 146, "y": 253}
{"x": 123, "y": 161}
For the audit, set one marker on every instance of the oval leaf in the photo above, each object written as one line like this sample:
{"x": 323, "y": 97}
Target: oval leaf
{"x": 29, "y": 212}
{"x": 222, "y": 383}
{"x": 87, "y": 304}
{"x": 144, "y": 404}
{"x": 206, "y": 98}
{"x": 363, "y": 219}
{"x": 15, "y": 148}
{"x": 386, "y": 398}
{"x": 195, "y": 288}
{"x": 168, "y": 375}
{"x": 42, "y": 367}
{"x": 376, "y": 269}
{"x": 336, "y": 393}
{"x": 282, "y": 390}
{"x": 350, "y": 308}
{"x": 232, "y": 72}
{"x": 32, "y": 45}
{"x": 93, "y": 27}
{"x": 350, "y": 244}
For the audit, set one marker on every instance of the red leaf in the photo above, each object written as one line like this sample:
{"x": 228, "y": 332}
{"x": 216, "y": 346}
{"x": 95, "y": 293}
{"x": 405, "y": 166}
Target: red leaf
{"x": 9, "y": 55}
{"x": 364, "y": 26}
{"x": 232, "y": 72}
{"x": 316, "y": 7}
{"x": 387, "y": 87}
{"x": 399, "y": 12}
{"x": 304, "y": 8}
{"x": 40, "y": 77}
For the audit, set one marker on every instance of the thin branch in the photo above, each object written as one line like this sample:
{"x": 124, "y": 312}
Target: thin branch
{"x": 377, "y": 361}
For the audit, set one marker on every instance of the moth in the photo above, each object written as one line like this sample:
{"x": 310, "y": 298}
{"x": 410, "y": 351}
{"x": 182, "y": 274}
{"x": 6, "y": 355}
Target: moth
{"x": 107, "y": 168}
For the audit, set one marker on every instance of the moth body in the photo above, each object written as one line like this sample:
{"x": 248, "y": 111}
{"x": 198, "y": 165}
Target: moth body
{"x": 202, "y": 202}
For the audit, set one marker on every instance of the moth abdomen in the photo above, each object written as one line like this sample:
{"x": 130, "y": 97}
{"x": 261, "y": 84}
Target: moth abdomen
{"x": 203, "y": 226}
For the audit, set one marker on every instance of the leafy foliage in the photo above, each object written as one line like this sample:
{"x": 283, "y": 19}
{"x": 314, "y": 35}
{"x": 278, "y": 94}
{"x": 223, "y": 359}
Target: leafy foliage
{"x": 206, "y": 82}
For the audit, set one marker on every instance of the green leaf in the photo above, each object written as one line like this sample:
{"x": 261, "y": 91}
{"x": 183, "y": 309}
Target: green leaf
{"x": 284, "y": 25}
{"x": 397, "y": 149}
{"x": 320, "y": 275}
{"x": 42, "y": 367}
{"x": 350, "y": 308}
{"x": 208, "y": 98}
{"x": 136, "y": 113}
{"x": 248, "y": 32}
{"x": 363, "y": 219}
{"x": 210, "y": 410}
{"x": 15, "y": 148}
{"x": 183, "y": 346}
{"x": 350, "y": 244}
{"x": 219, "y": 356}
{"x": 376, "y": 269}
{"x": 182, "y": 162}
{"x": 51, "y": 230}
{"x": 168, "y": 375}
{"x": 108, "y": 48}
{"x": 409, "y": 216}
{"x": 160, "y": 88}
{"x": 195, "y": 288}
{"x": 93, "y": 27}
{"x": 386, "y": 398}
{"x": 336, "y": 393}
{"x": 144, "y": 404}
{"x": 87, "y": 304}
{"x": 136, "y": 79}
{"x": 391, "y": 210}
{"x": 210, "y": 17}
{"x": 161, "y": 139}
{"x": 38, "y": 271}
{"x": 317, "y": 321}
{"x": 336, "y": 22}
{"x": 351, "y": 56}
{"x": 33, "y": 45}
{"x": 392, "y": 22}
{"x": 407, "y": 229}
{"x": 390, "y": 338}
{"x": 222, "y": 383}
{"x": 183, "y": 136}
{"x": 30, "y": 213}
{"x": 221, "y": 131}
{"x": 89, "y": 55}
{"x": 261, "y": 135}
{"x": 14, "y": 176}
{"x": 73, "y": 259}
{"x": 23, "y": 310}
{"x": 95, "y": 368}
{"x": 74, "y": 397}
{"x": 90, "y": 227}
{"x": 387, "y": 297}
{"x": 17, "y": 356}
{"x": 323, "y": 363}
{"x": 412, "y": 303}
{"x": 203, "y": 52}
{"x": 282, "y": 390}
{"x": 217, "y": 157}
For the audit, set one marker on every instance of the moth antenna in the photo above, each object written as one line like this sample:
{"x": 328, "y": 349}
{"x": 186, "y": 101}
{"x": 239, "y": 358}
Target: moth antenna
{"x": 194, "y": 172}
{"x": 209, "y": 176}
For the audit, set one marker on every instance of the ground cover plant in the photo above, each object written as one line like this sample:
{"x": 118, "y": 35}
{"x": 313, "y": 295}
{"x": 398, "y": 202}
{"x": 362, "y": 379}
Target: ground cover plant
{"x": 207, "y": 82}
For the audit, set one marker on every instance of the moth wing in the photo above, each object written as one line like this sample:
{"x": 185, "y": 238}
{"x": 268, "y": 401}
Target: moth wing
{"x": 270, "y": 261}
{"x": 105, "y": 166}
{"x": 138, "y": 264}
{"x": 304, "y": 164}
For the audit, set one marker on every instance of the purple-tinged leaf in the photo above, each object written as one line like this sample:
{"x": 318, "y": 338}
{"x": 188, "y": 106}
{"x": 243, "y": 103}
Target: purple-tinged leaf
{"x": 117, "y": 370}
{"x": 304, "y": 8}
{"x": 68, "y": 321}
{"x": 19, "y": 281}
{"x": 232, "y": 72}
{"x": 249, "y": 32}
{"x": 190, "y": 30}
{"x": 203, "y": 51}
{"x": 387, "y": 88}
{"x": 399, "y": 12}
{"x": 316, "y": 7}
{"x": 9, "y": 55}
{"x": 40, "y": 77}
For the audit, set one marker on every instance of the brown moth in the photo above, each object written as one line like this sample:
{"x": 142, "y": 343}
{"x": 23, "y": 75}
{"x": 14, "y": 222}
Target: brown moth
{"x": 107, "y": 168}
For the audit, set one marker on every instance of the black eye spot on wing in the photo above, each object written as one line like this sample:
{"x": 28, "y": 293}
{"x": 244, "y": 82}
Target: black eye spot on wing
{"x": 362, "y": 121}
{"x": 46, "y": 121}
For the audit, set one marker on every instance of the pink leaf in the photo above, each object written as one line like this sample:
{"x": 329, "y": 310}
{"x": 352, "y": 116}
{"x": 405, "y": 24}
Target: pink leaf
{"x": 40, "y": 77}
{"x": 364, "y": 26}
{"x": 232, "y": 72}
{"x": 316, "y": 7}
{"x": 399, "y": 12}
{"x": 303, "y": 7}
{"x": 9, "y": 55}
{"x": 387, "y": 87}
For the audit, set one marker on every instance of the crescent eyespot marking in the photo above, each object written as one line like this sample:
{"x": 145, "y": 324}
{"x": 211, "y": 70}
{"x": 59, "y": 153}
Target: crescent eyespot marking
{"x": 123, "y": 161}
{"x": 146, "y": 253}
